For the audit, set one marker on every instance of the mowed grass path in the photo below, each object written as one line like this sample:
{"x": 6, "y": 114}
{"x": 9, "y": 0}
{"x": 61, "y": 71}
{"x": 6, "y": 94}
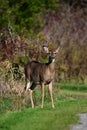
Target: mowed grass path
{"x": 62, "y": 117}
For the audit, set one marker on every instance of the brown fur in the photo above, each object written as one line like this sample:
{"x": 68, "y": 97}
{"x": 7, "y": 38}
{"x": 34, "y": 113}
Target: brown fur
{"x": 39, "y": 72}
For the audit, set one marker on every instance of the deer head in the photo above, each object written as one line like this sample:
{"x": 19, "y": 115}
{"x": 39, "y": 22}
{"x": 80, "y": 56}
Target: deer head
{"x": 52, "y": 54}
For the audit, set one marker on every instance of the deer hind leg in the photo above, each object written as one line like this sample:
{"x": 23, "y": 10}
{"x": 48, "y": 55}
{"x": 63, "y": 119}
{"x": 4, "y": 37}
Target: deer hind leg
{"x": 51, "y": 94}
{"x": 31, "y": 98}
{"x": 32, "y": 86}
{"x": 26, "y": 88}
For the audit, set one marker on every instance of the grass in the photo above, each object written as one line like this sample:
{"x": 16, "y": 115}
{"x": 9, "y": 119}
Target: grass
{"x": 75, "y": 87}
{"x": 68, "y": 103}
{"x": 60, "y": 118}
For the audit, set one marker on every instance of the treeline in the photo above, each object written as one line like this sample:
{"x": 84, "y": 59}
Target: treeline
{"x": 27, "y": 17}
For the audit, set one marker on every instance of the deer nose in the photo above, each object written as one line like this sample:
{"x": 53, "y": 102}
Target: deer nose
{"x": 51, "y": 58}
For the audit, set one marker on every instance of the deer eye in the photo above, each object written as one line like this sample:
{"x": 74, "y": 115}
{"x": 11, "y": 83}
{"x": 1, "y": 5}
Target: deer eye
{"x": 49, "y": 53}
{"x": 55, "y": 53}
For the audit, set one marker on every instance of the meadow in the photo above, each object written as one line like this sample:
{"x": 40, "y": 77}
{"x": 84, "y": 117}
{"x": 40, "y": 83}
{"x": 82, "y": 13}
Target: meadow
{"x": 70, "y": 100}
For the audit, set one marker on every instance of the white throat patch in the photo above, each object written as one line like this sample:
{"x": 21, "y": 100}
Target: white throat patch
{"x": 53, "y": 60}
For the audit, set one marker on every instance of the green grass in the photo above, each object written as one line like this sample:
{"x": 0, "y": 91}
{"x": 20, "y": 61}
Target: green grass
{"x": 68, "y": 103}
{"x": 60, "y": 118}
{"x": 75, "y": 87}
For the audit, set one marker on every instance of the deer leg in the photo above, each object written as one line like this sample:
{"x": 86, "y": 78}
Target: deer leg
{"x": 28, "y": 85}
{"x": 31, "y": 98}
{"x": 42, "y": 88}
{"x": 51, "y": 94}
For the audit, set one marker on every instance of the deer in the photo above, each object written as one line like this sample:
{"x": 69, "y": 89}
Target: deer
{"x": 37, "y": 73}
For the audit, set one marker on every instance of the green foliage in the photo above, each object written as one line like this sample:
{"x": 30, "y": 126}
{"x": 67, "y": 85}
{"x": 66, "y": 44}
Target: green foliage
{"x": 23, "y": 60}
{"x": 25, "y": 16}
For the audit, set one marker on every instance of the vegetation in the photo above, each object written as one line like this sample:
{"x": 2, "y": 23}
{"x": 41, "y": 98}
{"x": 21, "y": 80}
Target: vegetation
{"x": 61, "y": 118}
{"x": 25, "y": 26}
{"x": 68, "y": 104}
{"x": 62, "y": 92}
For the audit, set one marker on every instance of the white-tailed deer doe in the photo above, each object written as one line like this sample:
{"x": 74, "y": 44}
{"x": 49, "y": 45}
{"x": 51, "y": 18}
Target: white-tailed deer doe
{"x": 42, "y": 74}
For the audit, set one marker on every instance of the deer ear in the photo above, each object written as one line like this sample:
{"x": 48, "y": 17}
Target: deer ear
{"x": 57, "y": 50}
{"x": 46, "y": 49}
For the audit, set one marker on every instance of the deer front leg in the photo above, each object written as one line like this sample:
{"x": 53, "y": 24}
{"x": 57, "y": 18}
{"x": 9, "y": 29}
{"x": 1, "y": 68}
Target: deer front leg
{"x": 51, "y": 94}
{"x": 42, "y": 88}
{"x": 31, "y": 98}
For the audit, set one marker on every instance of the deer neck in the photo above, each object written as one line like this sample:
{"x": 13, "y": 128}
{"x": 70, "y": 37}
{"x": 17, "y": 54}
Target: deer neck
{"x": 51, "y": 64}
